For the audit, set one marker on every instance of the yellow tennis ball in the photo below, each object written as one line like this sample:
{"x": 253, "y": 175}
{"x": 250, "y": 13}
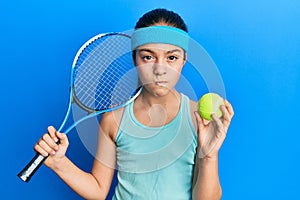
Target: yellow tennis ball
{"x": 210, "y": 103}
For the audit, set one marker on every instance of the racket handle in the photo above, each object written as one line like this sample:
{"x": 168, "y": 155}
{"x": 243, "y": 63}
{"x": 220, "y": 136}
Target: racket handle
{"x": 31, "y": 167}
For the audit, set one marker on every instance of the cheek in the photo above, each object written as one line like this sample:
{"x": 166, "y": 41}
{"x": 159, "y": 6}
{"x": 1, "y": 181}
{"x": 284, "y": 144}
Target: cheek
{"x": 175, "y": 71}
{"x": 145, "y": 73}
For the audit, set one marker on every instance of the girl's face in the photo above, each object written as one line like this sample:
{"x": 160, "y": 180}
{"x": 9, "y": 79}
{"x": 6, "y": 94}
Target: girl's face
{"x": 159, "y": 67}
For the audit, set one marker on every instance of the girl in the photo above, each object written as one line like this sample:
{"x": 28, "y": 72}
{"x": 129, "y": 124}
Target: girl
{"x": 154, "y": 140}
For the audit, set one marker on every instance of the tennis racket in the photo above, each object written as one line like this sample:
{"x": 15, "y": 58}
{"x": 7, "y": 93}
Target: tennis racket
{"x": 103, "y": 79}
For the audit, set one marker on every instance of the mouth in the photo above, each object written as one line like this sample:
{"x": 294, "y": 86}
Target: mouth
{"x": 161, "y": 83}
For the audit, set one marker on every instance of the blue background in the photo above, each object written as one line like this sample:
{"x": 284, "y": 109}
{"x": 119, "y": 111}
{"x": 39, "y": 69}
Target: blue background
{"x": 255, "y": 44}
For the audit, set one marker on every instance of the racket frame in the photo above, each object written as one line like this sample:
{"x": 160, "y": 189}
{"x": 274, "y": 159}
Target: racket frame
{"x": 29, "y": 170}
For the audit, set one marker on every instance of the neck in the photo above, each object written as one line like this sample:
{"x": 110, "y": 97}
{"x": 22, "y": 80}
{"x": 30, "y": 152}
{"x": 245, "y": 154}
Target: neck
{"x": 154, "y": 110}
{"x": 148, "y": 99}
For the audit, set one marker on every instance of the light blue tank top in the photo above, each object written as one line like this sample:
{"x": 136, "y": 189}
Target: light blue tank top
{"x": 156, "y": 162}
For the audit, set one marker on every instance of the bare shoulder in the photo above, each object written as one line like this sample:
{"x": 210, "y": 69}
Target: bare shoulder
{"x": 193, "y": 105}
{"x": 193, "y": 108}
{"x": 110, "y": 122}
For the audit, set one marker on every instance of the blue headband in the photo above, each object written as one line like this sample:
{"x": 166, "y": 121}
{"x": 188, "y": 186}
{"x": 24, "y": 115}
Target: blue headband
{"x": 160, "y": 34}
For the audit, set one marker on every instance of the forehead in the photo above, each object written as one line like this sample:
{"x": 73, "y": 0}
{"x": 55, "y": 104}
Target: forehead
{"x": 160, "y": 48}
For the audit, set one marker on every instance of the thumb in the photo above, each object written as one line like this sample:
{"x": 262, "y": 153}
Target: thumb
{"x": 199, "y": 120}
{"x": 63, "y": 139}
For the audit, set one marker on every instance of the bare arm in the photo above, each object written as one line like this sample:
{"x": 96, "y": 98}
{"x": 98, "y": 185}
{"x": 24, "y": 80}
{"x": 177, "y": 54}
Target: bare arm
{"x": 207, "y": 184}
{"x": 211, "y": 135}
{"x": 94, "y": 185}
{"x": 87, "y": 185}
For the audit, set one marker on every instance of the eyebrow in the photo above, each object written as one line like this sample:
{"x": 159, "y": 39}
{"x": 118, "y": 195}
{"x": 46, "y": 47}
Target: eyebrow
{"x": 168, "y": 52}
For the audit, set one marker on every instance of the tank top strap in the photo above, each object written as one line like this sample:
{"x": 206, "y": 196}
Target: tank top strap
{"x": 186, "y": 112}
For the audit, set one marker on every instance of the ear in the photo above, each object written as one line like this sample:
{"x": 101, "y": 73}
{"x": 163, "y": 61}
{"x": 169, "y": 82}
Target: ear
{"x": 184, "y": 58}
{"x": 133, "y": 55}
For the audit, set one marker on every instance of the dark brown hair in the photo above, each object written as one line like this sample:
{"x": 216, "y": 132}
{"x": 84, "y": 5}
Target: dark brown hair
{"x": 161, "y": 15}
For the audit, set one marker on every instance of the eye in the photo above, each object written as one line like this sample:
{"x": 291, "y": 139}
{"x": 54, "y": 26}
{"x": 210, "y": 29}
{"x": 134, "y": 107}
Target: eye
{"x": 172, "y": 58}
{"x": 147, "y": 58}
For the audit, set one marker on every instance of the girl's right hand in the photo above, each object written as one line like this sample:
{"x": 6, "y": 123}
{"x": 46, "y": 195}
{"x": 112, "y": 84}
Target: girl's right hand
{"x": 47, "y": 146}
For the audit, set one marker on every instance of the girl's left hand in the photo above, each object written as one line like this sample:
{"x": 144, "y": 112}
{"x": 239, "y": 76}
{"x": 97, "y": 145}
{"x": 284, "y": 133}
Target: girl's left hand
{"x": 211, "y": 134}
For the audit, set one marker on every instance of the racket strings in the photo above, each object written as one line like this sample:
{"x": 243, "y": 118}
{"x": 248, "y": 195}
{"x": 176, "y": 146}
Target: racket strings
{"x": 87, "y": 78}
{"x": 86, "y": 68}
{"x": 93, "y": 56}
{"x": 104, "y": 75}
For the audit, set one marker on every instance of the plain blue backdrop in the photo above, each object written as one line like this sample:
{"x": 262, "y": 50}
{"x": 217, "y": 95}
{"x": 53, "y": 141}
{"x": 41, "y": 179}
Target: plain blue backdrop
{"x": 255, "y": 44}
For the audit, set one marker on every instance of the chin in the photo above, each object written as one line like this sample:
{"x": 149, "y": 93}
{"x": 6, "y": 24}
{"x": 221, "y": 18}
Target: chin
{"x": 161, "y": 93}
{"x": 158, "y": 91}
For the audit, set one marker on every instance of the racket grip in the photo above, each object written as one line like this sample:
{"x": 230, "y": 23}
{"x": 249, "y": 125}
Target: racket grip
{"x": 29, "y": 170}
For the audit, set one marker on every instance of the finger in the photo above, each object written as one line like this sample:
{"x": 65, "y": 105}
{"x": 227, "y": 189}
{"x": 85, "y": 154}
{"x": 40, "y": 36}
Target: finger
{"x": 229, "y": 108}
{"x": 226, "y": 118}
{"x": 62, "y": 138}
{"x": 45, "y": 147}
{"x": 50, "y": 141}
{"x": 219, "y": 125}
{"x": 228, "y": 114}
{"x": 52, "y": 133}
{"x": 217, "y": 120}
{"x": 40, "y": 150}
{"x": 225, "y": 114}
{"x": 205, "y": 122}
{"x": 199, "y": 119}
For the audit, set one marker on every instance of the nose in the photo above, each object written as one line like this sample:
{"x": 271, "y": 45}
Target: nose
{"x": 159, "y": 68}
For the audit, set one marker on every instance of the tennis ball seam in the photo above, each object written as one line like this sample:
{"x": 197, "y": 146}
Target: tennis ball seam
{"x": 210, "y": 104}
